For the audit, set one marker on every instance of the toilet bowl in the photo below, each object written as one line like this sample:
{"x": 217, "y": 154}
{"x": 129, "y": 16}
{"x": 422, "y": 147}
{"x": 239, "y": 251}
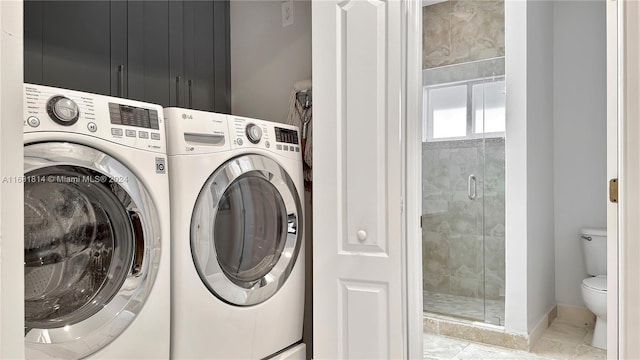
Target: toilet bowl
{"x": 594, "y": 294}
{"x": 594, "y": 288}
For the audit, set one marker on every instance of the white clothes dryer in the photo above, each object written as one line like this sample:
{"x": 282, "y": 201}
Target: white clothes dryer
{"x": 237, "y": 241}
{"x": 96, "y": 227}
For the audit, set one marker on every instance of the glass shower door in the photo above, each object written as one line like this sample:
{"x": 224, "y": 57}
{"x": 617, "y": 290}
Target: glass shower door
{"x": 463, "y": 191}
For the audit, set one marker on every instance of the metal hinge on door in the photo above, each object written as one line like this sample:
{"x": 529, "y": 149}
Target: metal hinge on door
{"x": 613, "y": 190}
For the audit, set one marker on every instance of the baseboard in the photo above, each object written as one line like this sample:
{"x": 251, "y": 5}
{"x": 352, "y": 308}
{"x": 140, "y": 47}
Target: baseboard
{"x": 487, "y": 333}
{"x": 473, "y": 331}
{"x": 541, "y": 327}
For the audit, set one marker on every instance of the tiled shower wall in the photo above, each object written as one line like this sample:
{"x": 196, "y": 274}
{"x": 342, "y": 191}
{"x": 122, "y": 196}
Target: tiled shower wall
{"x": 460, "y": 31}
{"x": 464, "y": 240}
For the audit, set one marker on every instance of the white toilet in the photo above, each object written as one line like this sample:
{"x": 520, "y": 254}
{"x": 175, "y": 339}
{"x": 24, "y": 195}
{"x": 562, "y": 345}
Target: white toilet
{"x": 594, "y": 288}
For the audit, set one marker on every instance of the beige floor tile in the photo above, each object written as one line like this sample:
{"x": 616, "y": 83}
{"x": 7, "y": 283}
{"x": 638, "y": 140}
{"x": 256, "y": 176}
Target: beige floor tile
{"x": 442, "y": 347}
{"x": 564, "y": 332}
{"x": 589, "y": 352}
{"x": 477, "y": 352}
{"x": 555, "y": 349}
{"x": 561, "y": 341}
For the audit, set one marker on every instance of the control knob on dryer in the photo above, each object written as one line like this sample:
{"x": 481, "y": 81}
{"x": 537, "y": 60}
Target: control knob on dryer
{"x": 62, "y": 110}
{"x": 254, "y": 133}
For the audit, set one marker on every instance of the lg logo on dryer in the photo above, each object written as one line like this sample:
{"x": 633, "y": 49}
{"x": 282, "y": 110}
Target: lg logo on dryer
{"x": 185, "y": 116}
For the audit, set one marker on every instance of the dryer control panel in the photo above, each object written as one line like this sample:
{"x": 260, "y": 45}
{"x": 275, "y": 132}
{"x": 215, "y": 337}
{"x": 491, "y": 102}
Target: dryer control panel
{"x": 253, "y": 133}
{"x": 192, "y": 132}
{"x": 126, "y": 122}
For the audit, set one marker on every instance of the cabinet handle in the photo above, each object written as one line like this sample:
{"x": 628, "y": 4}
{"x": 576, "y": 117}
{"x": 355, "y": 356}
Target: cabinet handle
{"x": 190, "y": 83}
{"x": 178, "y": 88}
{"x": 471, "y": 191}
{"x": 120, "y": 80}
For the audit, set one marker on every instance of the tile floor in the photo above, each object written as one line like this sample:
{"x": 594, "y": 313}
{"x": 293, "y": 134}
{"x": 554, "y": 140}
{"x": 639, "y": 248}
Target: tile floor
{"x": 490, "y": 311}
{"x": 561, "y": 341}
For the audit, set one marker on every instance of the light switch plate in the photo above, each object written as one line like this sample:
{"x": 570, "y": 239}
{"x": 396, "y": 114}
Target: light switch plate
{"x": 287, "y": 13}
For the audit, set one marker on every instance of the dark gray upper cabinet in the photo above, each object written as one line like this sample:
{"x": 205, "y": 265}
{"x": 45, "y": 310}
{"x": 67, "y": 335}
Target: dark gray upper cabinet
{"x": 221, "y": 58}
{"x": 68, "y": 44}
{"x": 147, "y": 65}
{"x": 199, "y": 55}
{"x": 168, "y": 52}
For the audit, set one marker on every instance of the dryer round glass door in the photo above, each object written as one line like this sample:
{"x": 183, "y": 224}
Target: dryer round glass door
{"x": 91, "y": 246}
{"x": 246, "y": 230}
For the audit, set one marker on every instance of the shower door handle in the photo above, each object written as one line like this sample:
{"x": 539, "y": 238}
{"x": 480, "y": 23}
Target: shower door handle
{"x": 471, "y": 187}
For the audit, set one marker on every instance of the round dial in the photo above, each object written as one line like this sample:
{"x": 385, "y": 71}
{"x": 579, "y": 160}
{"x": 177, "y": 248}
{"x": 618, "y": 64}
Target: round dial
{"x": 254, "y": 133}
{"x": 63, "y": 110}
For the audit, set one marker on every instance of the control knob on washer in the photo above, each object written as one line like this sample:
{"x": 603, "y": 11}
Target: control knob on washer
{"x": 254, "y": 133}
{"x": 63, "y": 110}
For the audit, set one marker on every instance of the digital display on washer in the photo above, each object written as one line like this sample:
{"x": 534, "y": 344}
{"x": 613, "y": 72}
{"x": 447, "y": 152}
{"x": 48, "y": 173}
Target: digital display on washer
{"x": 133, "y": 116}
{"x": 286, "y": 136}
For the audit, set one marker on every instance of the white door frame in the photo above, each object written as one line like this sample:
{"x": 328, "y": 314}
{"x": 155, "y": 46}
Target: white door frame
{"x": 612, "y": 172}
{"x": 11, "y": 188}
{"x": 628, "y": 75}
{"x": 413, "y": 177}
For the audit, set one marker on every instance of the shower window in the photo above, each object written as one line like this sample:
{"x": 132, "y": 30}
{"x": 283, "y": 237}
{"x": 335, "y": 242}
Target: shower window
{"x": 465, "y": 110}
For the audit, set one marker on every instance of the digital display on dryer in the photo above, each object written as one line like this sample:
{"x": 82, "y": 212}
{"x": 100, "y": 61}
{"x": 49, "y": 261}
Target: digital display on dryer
{"x": 133, "y": 116}
{"x": 286, "y": 136}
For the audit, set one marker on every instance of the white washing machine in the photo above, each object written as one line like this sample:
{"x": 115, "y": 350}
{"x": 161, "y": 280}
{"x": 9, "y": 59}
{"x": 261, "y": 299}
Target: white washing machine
{"x": 97, "y": 227}
{"x": 237, "y": 237}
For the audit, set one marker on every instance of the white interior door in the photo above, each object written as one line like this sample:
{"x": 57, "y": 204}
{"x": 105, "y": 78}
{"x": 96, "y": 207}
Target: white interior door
{"x": 358, "y": 292}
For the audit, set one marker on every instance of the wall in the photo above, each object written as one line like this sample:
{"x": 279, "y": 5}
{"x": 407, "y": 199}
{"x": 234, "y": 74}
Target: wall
{"x": 530, "y": 260}
{"x": 266, "y": 58}
{"x": 11, "y": 191}
{"x": 540, "y": 192}
{"x": 460, "y": 31}
{"x": 579, "y": 113}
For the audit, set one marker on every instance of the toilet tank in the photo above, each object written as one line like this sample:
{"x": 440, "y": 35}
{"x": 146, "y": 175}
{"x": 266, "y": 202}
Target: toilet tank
{"x": 594, "y": 250}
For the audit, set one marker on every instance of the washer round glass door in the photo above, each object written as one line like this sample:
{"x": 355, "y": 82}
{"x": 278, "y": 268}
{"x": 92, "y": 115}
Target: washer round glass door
{"x": 91, "y": 248}
{"x": 246, "y": 230}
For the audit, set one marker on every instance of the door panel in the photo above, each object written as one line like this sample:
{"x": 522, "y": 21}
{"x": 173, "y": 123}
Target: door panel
{"x": 176, "y": 53}
{"x": 33, "y": 42}
{"x": 222, "y": 57}
{"x": 198, "y": 55}
{"x": 357, "y": 220}
{"x": 148, "y": 51}
{"x": 75, "y": 45}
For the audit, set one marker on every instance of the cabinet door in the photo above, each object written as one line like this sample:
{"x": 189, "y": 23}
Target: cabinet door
{"x": 71, "y": 40}
{"x": 148, "y": 51}
{"x": 33, "y": 42}
{"x": 222, "y": 57}
{"x": 207, "y": 55}
{"x": 199, "y": 54}
{"x": 176, "y": 54}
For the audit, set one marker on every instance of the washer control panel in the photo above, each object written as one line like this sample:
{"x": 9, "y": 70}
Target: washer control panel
{"x": 127, "y": 122}
{"x": 253, "y": 133}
